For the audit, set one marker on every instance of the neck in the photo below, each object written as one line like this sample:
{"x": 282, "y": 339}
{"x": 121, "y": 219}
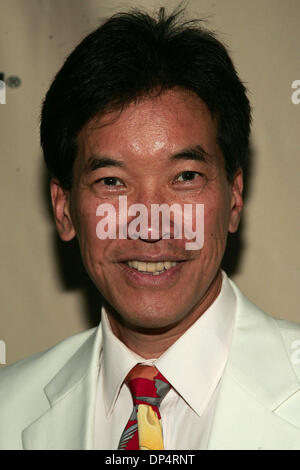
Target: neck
{"x": 153, "y": 343}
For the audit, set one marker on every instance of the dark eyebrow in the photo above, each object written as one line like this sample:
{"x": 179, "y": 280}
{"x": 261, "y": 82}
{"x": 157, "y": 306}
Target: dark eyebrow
{"x": 96, "y": 161}
{"x": 193, "y": 153}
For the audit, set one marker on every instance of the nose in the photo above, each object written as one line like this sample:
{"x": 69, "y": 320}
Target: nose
{"x": 151, "y": 216}
{"x": 151, "y": 236}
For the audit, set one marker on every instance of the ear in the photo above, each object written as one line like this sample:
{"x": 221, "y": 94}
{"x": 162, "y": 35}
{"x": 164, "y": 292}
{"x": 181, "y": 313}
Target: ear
{"x": 60, "y": 198}
{"x": 236, "y": 201}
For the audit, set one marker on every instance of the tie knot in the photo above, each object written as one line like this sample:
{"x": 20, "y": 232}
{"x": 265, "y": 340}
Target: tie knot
{"x": 147, "y": 385}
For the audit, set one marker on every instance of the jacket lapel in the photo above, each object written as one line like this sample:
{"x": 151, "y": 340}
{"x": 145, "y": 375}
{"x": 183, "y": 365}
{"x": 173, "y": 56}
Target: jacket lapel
{"x": 68, "y": 423}
{"x": 259, "y": 390}
{"x": 243, "y": 423}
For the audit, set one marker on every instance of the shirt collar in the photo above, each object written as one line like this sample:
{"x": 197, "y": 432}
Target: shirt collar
{"x": 193, "y": 364}
{"x": 118, "y": 360}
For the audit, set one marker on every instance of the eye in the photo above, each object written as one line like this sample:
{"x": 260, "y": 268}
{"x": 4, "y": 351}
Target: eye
{"x": 110, "y": 181}
{"x": 186, "y": 176}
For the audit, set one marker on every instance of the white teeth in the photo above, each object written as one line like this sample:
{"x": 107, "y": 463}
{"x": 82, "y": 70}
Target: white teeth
{"x": 153, "y": 268}
{"x": 159, "y": 266}
{"x": 141, "y": 266}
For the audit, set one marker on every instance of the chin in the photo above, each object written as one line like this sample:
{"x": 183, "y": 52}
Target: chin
{"x": 151, "y": 319}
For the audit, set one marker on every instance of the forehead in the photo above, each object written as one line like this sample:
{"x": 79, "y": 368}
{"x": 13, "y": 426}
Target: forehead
{"x": 153, "y": 126}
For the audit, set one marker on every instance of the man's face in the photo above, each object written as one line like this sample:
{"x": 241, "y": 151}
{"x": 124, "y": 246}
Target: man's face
{"x": 147, "y": 153}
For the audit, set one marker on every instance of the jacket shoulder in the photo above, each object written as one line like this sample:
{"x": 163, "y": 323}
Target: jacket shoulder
{"x": 22, "y": 382}
{"x": 46, "y": 362}
{"x": 290, "y": 333}
{"x": 247, "y": 307}
{"x": 267, "y": 331}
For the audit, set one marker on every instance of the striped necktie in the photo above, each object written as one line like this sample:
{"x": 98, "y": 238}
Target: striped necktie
{"x": 144, "y": 430}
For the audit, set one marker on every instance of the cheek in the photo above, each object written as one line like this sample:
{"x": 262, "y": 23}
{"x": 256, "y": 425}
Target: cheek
{"x": 216, "y": 222}
{"x": 86, "y": 227}
{"x": 86, "y": 222}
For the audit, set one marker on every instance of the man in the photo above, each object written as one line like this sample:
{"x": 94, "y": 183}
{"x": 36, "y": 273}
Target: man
{"x": 153, "y": 112}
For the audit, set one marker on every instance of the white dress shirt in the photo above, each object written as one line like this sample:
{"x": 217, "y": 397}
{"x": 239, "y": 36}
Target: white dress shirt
{"x": 193, "y": 365}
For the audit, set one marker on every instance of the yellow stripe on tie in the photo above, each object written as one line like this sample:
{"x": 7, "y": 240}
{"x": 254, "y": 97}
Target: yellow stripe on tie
{"x": 149, "y": 429}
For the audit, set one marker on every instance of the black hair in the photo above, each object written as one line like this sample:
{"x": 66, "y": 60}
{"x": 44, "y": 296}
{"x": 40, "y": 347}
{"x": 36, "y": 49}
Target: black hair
{"x": 131, "y": 55}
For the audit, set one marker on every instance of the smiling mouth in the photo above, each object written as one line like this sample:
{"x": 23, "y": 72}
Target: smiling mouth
{"x": 155, "y": 269}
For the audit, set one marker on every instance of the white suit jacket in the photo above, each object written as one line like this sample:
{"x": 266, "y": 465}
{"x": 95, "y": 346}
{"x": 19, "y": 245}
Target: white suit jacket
{"x": 47, "y": 401}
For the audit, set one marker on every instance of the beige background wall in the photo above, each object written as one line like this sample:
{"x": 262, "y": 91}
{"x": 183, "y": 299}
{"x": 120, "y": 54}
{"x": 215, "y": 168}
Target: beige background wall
{"x": 43, "y": 297}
